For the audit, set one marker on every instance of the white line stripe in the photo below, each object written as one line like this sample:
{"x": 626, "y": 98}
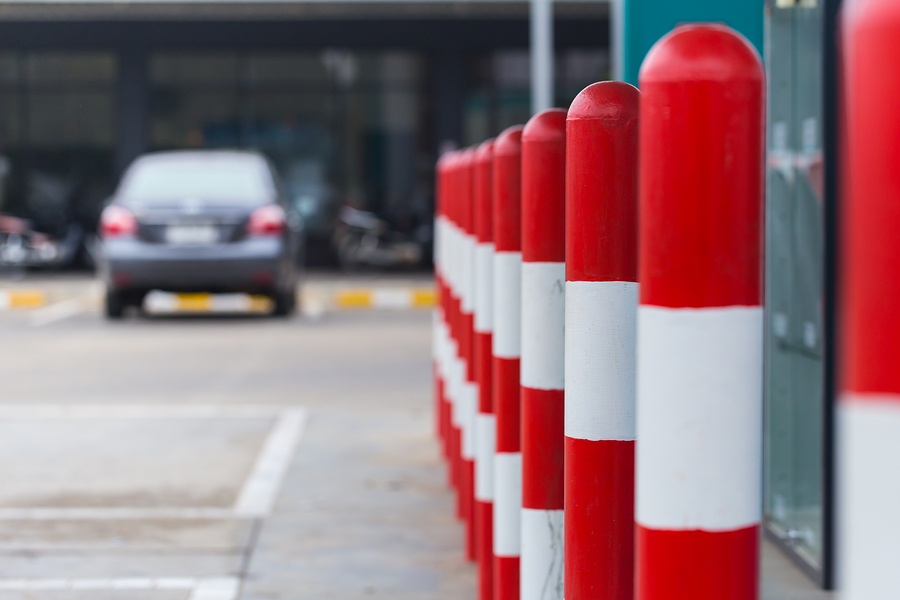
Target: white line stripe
{"x": 543, "y": 325}
{"x": 542, "y": 554}
{"x": 507, "y": 503}
{"x": 484, "y": 288}
{"x": 468, "y": 403}
{"x": 601, "y": 337}
{"x": 115, "y": 513}
{"x": 57, "y": 312}
{"x": 485, "y": 443}
{"x": 391, "y": 298}
{"x": 507, "y": 309}
{"x": 699, "y": 417}
{"x": 140, "y": 411}
{"x": 225, "y": 588}
{"x": 261, "y": 489}
{"x": 869, "y": 520}
{"x": 221, "y": 585}
{"x": 467, "y": 274}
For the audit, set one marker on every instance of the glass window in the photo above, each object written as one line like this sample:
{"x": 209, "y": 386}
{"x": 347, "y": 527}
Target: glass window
{"x": 57, "y": 137}
{"x": 343, "y": 127}
{"x": 225, "y": 178}
{"x": 794, "y": 281}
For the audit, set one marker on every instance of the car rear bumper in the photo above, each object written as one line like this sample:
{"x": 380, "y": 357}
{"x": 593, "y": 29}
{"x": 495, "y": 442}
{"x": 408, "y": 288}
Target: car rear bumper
{"x": 252, "y": 265}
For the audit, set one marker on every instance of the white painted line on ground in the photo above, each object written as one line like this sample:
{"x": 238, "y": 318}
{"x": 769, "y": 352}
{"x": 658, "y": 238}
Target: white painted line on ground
{"x": 260, "y": 490}
{"x": 57, "y": 312}
{"x": 257, "y": 495}
{"x": 209, "y": 588}
{"x": 116, "y": 513}
{"x": 141, "y": 411}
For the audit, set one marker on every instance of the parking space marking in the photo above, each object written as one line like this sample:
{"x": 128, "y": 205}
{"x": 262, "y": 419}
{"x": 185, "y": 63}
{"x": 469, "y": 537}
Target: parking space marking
{"x": 57, "y": 312}
{"x": 258, "y": 492}
{"x": 207, "y": 588}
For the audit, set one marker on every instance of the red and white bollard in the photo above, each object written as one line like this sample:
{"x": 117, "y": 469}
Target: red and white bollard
{"x": 507, "y": 299}
{"x": 601, "y": 332}
{"x": 440, "y": 327}
{"x": 485, "y": 424}
{"x": 543, "y": 364}
{"x": 869, "y": 402}
{"x": 468, "y": 398}
{"x": 700, "y": 319}
{"x": 453, "y": 373}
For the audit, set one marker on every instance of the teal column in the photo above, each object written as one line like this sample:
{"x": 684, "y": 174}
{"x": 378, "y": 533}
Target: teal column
{"x": 645, "y": 21}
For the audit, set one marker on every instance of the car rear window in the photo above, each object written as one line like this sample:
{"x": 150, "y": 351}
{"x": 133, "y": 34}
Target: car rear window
{"x": 214, "y": 179}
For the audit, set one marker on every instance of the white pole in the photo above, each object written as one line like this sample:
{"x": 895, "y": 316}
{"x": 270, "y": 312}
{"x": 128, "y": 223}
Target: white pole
{"x": 617, "y": 39}
{"x": 541, "y": 55}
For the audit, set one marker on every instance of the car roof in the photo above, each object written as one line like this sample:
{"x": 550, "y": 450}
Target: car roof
{"x": 210, "y": 155}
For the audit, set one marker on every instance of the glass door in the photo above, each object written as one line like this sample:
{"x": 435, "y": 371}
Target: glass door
{"x": 795, "y": 369}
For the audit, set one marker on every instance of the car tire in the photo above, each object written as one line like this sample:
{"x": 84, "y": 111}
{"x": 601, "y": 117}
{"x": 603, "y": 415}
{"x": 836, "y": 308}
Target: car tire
{"x": 285, "y": 302}
{"x": 115, "y": 305}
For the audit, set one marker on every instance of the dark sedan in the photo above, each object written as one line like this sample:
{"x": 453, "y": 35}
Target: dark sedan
{"x": 199, "y": 221}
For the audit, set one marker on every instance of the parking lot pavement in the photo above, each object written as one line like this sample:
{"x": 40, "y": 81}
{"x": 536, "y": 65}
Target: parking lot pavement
{"x": 215, "y": 458}
{"x": 212, "y": 457}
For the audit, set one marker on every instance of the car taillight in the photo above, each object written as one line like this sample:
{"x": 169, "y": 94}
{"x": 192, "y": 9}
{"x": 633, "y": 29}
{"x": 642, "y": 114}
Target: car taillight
{"x": 116, "y": 221}
{"x": 266, "y": 220}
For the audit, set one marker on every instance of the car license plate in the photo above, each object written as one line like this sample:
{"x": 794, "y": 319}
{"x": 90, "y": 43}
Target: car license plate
{"x": 191, "y": 234}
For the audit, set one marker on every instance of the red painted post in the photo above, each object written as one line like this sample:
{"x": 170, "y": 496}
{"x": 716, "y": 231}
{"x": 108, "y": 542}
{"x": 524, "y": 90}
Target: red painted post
{"x": 700, "y": 319}
{"x": 455, "y": 373}
{"x": 468, "y": 398}
{"x": 440, "y": 313}
{"x": 601, "y": 332}
{"x": 869, "y": 402}
{"x": 506, "y": 351}
{"x": 485, "y": 426}
{"x": 543, "y": 327}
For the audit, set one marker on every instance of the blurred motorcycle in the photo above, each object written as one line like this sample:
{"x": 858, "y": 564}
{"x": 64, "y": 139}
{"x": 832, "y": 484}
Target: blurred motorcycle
{"x": 362, "y": 239}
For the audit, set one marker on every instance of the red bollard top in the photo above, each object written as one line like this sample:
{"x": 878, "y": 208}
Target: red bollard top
{"x": 466, "y": 181}
{"x": 544, "y": 187}
{"x": 484, "y": 168}
{"x": 507, "y": 190}
{"x": 701, "y": 170}
{"x": 601, "y": 183}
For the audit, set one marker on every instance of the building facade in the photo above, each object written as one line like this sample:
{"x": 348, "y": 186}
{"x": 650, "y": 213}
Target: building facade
{"x": 351, "y": 100}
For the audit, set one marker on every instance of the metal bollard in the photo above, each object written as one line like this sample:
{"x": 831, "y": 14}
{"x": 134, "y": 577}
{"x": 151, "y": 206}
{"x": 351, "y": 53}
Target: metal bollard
{"x": 543, "y": 327}
{"x": 700, "y": 318}
{"x": 869, "y": 401}
{"x": 468, "y": 398}
{"x": 507, "y": 300}
{"x": 601, "y": 332}
{"x": 485, "y": 424}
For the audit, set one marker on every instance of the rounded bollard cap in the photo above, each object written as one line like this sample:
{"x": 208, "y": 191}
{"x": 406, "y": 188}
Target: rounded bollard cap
{"x": 701, "y": 52}
{"x": 509, "y": 141}
{"x": 605, "y": 100}
{"x": 546, "y": 126}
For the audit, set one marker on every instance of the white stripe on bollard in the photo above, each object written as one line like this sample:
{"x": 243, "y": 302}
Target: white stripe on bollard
{"x": 507, "y": 304}
{"x": 699, "y": 454}
{"x": 486, "y": 435}
{"x": 543, "y": 325}
{"x": 600, "y": 324}
{"x": 507, "y": 503}
{"x": 542, "y": 566}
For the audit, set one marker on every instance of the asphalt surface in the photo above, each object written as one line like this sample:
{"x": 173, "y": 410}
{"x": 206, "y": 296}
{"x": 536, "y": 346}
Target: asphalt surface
{"x": 215, "y": 458}
{"x": 130, "y": 450}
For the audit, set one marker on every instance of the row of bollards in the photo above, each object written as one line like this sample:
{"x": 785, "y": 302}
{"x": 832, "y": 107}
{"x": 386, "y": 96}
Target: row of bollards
{"x": 551, "y": 360}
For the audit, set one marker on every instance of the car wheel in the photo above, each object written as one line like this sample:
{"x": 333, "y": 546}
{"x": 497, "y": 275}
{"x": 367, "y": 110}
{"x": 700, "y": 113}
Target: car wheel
{"x": 115, "y": 305}
{"x": 285, "y": 302}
